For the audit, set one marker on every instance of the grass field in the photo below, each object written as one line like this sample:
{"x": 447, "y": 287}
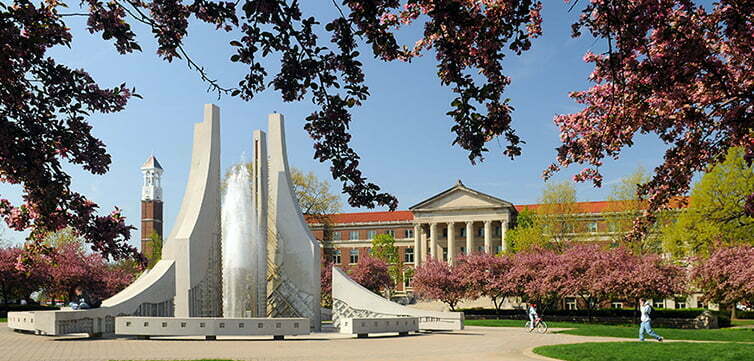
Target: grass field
{"x": 631, "y": 331}
{"x": 741, "y": 322}
{"x": 648, "y": 351}
{"x": 3, "y": 319}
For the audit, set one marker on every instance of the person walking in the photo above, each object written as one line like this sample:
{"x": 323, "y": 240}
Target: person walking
{"x": 646, "y": 321}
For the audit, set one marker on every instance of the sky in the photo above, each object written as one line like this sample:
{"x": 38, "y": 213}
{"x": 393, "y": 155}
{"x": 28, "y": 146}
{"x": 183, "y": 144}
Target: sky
{"x": 401, "y": 132}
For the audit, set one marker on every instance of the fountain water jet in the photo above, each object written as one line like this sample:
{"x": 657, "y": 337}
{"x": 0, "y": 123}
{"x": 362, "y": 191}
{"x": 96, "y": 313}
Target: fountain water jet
{"x": 243, "y": 246}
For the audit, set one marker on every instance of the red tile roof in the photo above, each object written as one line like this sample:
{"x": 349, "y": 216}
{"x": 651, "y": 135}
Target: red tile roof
{"x": 405, "y": 216}
{"x": 368, "y": 217}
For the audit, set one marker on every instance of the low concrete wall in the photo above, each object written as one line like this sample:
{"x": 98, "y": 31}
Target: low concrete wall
{"x": 365, "y": 326}
{"x": 206, "y": 326}
{"x": 351, "y": 300}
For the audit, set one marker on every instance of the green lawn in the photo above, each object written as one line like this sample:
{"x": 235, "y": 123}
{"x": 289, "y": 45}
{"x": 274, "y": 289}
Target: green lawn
{"x": 3, "y": 319}
{"x": 631, "y": 331}
{"x": 648, "y": 351}
{"x": 741, "y": 322}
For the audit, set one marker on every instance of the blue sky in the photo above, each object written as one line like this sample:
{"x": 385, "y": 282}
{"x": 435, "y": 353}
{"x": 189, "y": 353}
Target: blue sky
{"x": 401, "y": 133}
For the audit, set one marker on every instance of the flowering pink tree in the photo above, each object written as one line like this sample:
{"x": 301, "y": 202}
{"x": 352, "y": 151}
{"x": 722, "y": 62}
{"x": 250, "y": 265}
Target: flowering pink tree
{"x": 534, "y": 276}
{"x": 15, "y": 283}
{"x": 372, "y": 273}
{"x": 727, "y": 277}
{"x": 677, "y": 69}
{"x": 325, "y": 280}
{"x": 487, "y": 275}
{"x": 441, "y": 281}
{"x": 583, "y": 269}
{"x": 73, "y": 267}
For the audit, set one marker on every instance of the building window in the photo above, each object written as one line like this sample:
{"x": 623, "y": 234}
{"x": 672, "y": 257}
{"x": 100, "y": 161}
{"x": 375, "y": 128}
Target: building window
{"x": 480, "y": 249}
{"x": 408, "y": 256}
{"x": 463, "y": 250}
{"x": 406, "y": 281}
{"x": 354, "y": 256}
{"x": 658, "y": 303}
{"x": 336, "y": 236}
{"x": 591, "y": 227}
{"x": 498, "y": 231}
{"x": 445, "y": 254}
{"x": 390, "y": 233}
{"x": 445, "y": 232}
{"x": 680, "y": 303}
{"x": 371, "y": 234}
{"x": 462, "y": 233}
{"x": 409, "y": 233}
{"x": 616, "y": 304}
{"x": 498, "y": 249}
{"x": 480, "y": 232}
{"x": 353, "y": 235}
{"x": 570, "y": 303}
{"x": 336, "y": 257}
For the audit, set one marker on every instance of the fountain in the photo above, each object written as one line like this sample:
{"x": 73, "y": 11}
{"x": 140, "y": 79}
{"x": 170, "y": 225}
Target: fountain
{"x": 243, "y": 247}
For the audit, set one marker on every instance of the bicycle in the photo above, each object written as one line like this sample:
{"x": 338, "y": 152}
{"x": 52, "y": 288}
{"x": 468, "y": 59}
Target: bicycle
{"x": 540, "y": 326}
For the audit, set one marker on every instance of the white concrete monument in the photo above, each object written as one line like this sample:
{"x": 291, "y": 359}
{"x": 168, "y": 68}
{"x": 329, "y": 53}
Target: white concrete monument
{"x": 186, "y": 284}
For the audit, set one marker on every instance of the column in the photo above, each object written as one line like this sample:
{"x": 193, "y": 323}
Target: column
{"x": 469, "y": 237}
{"x": 487, "y": 236}
{"x": 433, "y": 240}
{"x": 503, "y": 228}
{"x": 424, "y": 246}
{"x": 451, "y": 241}
{"x": 417, "y": 245}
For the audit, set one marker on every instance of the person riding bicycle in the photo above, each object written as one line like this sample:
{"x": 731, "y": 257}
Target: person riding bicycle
{"x": 533, "y": 317}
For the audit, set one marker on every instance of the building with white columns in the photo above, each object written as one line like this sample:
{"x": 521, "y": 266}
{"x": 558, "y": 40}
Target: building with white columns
{"x": 459, "y": 220}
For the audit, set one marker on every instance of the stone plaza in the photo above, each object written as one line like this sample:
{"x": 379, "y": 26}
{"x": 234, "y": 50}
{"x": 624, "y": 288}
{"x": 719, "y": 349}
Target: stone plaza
{"x": 473, "y": 343}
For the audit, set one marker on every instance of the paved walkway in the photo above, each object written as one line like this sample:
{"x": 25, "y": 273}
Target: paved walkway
{"x": 473, "y": 343}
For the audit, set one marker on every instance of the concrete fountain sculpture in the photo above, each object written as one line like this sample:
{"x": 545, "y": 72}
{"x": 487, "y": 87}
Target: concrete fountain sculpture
{"x": 183, "y": 293}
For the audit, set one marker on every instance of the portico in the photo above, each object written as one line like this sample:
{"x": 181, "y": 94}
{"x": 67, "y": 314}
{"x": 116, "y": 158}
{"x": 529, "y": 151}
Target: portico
{"x": 460, "y": 220}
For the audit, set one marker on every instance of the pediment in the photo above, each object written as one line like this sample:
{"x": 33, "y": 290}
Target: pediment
{"x": 460, "y": 197}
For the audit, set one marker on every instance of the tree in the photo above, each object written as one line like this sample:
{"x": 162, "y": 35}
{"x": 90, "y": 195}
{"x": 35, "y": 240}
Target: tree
{"x": 532, "y": 276}
{"x": 325, "y": 280}
{"x": 671, "y": 68}
{"x": 527, "y": 233}
{"x": 18, "y": 284}
{"x": 313, "y": 195}
{"x": 487, "y": 274}
{"x": 727, "y": 276}
{"x": 716, "y": 215}
{"x": 371, "y": 273}
{"x": 441, "y": 281}
{"x": 646, "y": 276}
{"x": 384, "y": 248}
{"x": 625, "y": 205}
{"x": 157, "y": 243}
{"x": 588, "y": 272}
{"x": 71, "y": 267}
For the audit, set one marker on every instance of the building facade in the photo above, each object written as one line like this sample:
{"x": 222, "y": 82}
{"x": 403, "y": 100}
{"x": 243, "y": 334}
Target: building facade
{"x": 459, "y": 220}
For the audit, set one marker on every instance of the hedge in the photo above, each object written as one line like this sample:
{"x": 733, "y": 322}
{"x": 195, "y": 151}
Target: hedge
{"x": 16, "y": 308}
{"x": 685, "y": 313}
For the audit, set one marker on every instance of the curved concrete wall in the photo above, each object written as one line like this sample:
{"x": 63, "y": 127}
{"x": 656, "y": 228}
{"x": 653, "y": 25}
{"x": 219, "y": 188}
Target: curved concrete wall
{"x": 194, "y": 242}
{"x": 187, "y": 281}
{"x": 351, "y": 300}
{"x": 293, "y": 251}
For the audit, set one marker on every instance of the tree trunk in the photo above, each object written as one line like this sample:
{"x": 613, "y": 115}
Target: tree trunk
{"x": 733, "y": 311}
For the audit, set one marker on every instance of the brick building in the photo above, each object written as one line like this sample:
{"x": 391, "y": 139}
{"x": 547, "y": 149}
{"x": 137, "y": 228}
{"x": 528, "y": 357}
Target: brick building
{"x": 459, "y": 220}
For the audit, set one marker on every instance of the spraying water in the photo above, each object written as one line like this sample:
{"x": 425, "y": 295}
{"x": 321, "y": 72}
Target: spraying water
{"x": 242, "y": 247}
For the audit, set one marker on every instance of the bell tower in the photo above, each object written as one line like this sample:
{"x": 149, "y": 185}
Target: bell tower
{"x": 151, "y": 205}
